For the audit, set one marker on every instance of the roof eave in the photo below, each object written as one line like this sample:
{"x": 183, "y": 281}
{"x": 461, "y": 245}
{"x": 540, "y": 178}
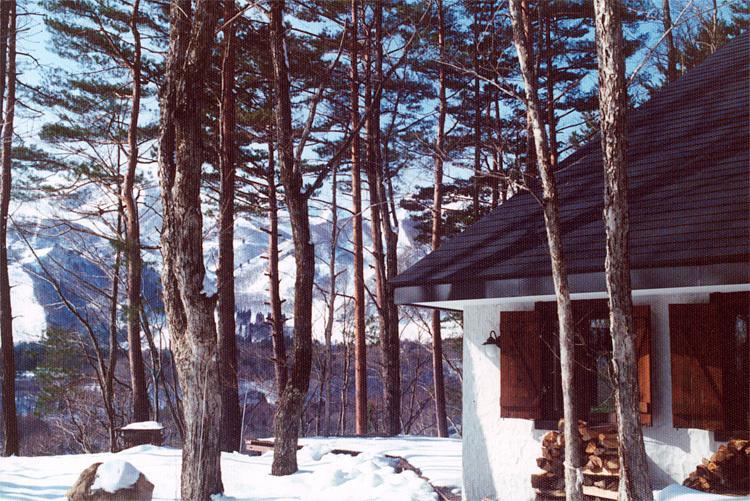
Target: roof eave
{"x": 733, "y": 273}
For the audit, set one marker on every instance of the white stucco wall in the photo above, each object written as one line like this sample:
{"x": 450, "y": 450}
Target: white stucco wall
{"x": 499, "y": 455}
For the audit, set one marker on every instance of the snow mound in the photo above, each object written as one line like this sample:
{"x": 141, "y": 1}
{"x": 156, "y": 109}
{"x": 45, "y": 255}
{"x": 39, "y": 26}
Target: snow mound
{"x": 115, "y": 475}
{"x": 144, "y": 425}
{"x": 681, "y": 493}
{"x": 313, "y": 452}
{"x": 439, "y": 459}
{"x": 368, "y": 477}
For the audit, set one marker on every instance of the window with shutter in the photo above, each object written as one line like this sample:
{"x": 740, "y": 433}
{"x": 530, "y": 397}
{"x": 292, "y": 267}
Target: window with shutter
{"x": 696, "y": 357}
{"x": 593, "y": 384}
{"x": 520, "y": 367}
{"x": 732, "y": 318}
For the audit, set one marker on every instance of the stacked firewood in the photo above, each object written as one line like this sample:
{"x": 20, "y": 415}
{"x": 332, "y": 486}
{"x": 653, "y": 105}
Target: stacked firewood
{"x": 553, "y": 455}
{"x": 727, "y": 472}
{"x": 601, "y": 470}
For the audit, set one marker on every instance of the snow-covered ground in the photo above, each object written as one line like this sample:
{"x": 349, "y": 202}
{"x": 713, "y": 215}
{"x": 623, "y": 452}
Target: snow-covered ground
{"x": 369, "y": 476}
{"x": 681, "y": 493}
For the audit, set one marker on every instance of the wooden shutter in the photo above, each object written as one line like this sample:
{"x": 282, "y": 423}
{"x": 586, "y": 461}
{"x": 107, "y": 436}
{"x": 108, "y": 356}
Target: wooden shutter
{"x": 697, "y": 392}
{"x": 520, "y": 365}
{"x": 642, "y": 321}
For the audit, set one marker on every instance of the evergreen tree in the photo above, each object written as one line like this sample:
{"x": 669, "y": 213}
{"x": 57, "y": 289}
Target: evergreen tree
{"x": 108, "y": 99}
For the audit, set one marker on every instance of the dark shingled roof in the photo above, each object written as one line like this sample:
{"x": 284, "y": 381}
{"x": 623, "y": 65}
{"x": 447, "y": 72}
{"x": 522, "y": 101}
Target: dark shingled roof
{"x": 688, "y": 165}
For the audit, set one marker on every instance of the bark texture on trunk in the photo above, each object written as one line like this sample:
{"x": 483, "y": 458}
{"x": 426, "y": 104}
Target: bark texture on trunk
{"x": 289, "y": 412}
{"x": 550, "y": 203}
{"x": 10, "y": 419}
{"x": 277, "y": 316}
{"x": 438, "y": 378}
{"x": 393, "y": 349}
{"x": 230, "y": 400}
{"x": 635, "y": 483}
{"x": 190, "y": 311}
{"x": 133, "y": 236}
{"x": 360, "y": 341}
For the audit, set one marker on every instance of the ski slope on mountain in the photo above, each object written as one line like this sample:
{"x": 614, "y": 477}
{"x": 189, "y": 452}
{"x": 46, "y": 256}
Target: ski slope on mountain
{"x": 36, "y": 305}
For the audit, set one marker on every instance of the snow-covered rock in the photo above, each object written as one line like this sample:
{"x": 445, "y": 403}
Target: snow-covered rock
{"x": 115, "y": 475}
{"x": 112, "y": 480}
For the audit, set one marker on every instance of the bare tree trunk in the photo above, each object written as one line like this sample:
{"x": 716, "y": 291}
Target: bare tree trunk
{"x": 672, "y": 74}
{"x": 157, "y": 368}
{"x": 345, "y": 370}
{"x": 10, "y": 419}
{"x": 360, "y": 341}
{"x": 389, "y": 221}
{"x": 381, "y": 228}
{"x": 230, "y": 399}
{"x": 550, "y": 84}
{"x": 714, "y": 44}
{"x": 290, "y": 407}
{"x": 190, "y": 310}
{"x": 573, "y": 459}
{"x": 133, "y": 237}
{"x": 493, "y": 101}
{"x": 437, "y": 219}
{"x": 376, "y": 208}
{"x": 635, "y": 483}
{"x": 393, "y": 366}
{"x": 531, "y": 161}
{"x": 328, "y": 334}
{"x": 109, "y": 377}
{"x": 277, "y": 316}
{"x": 477, "y": 116}
{"x": 500, "y": 186}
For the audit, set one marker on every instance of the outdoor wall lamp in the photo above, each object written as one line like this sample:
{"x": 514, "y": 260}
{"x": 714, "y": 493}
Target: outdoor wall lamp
{"x": 493, "y": 339}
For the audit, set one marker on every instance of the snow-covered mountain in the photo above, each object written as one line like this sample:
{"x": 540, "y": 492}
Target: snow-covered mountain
{"x": 62, "y": 248}
{"x": 251, "y": 244}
